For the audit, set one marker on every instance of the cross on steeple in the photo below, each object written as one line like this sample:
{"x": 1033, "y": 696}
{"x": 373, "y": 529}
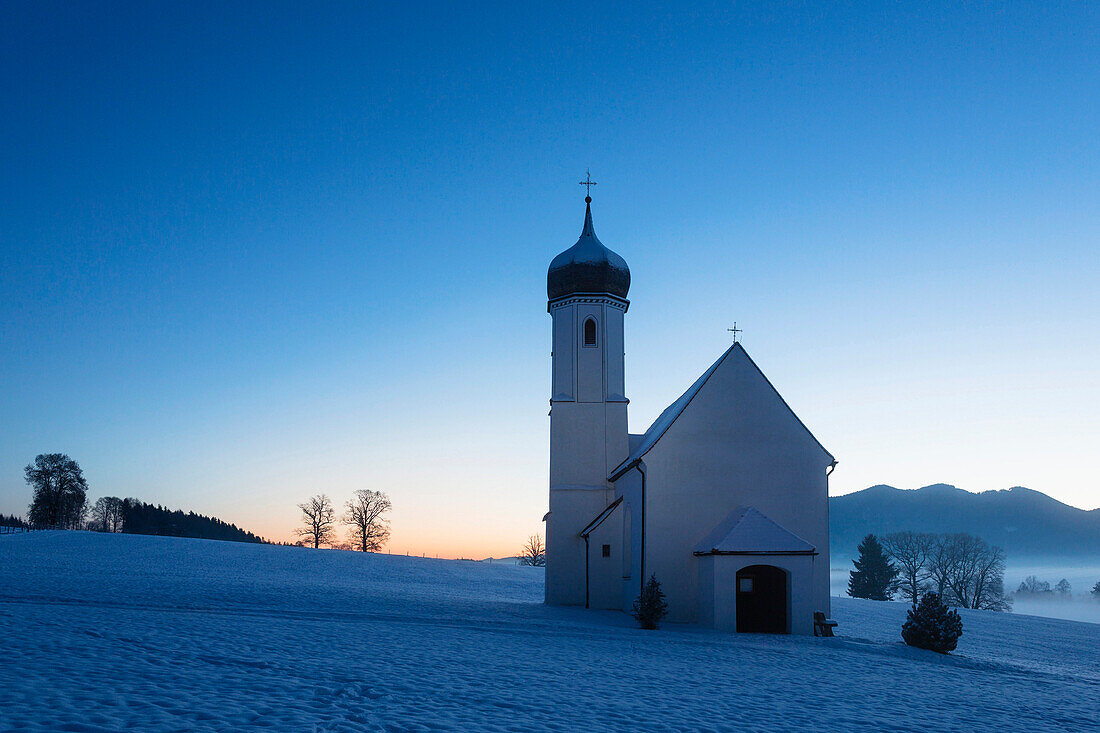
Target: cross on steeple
{"x": 588, "y": 183}
{"x": 735, "y": 330}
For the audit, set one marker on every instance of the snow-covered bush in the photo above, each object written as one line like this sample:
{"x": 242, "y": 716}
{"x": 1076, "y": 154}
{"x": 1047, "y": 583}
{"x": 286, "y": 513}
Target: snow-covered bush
{"x": 650, "y": 606}
{"x": 932, "y": 625}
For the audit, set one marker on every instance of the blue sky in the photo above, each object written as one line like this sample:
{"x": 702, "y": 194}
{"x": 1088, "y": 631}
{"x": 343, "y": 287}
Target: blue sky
{"x": 253, "y": 252}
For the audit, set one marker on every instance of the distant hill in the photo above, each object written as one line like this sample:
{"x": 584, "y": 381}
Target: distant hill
{"x": 1022, "y": 521}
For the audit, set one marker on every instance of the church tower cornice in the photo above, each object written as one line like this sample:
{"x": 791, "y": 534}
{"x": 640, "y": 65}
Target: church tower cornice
{"x": 596, "y": 298}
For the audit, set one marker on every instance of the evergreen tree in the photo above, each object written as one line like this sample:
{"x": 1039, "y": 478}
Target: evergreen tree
{"x": 650, "y": 606}
{"x": 1096, "y": 589}
{"x": 932, "y": 625}
{"x": 875, "y": 577}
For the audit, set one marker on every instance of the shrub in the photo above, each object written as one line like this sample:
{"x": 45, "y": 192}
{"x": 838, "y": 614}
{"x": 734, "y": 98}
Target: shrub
{"x": 650, "y": 606}
{"x": 932, "y": 625}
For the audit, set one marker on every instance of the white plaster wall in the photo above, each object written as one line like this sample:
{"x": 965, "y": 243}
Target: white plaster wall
{"x": 563, "y": 354}
{"x": 590, "y": 359}
{"x": 718, "y": 587}
{"x": 629, "y": 487}
{"x": 735, "y": 443}
{"x": 707, "y": 594}
{"x": 571, "y": 509}
{"x": 605, "y": 573}
{"x": 614, "y": 355}
{"x": 588, "y": 438}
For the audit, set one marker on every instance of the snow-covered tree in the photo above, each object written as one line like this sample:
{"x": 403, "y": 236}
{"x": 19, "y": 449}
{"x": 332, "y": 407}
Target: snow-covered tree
{"x": 875, "y": 577}
{"x": 932, "y": 625}
{"x": 1063, "y": 588}
{"x": 1096, "y": 590}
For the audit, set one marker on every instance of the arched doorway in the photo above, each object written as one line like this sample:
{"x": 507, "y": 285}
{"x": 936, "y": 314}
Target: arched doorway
{"x": 762, "y": 599}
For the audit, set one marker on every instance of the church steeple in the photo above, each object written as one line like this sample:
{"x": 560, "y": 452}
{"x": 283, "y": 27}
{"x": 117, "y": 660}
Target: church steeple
{"x": 586, "y": 286}
{"x": 588, "y": 266}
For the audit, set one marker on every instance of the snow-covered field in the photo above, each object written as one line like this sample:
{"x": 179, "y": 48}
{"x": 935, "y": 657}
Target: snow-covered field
{"x": 111, "y": 632}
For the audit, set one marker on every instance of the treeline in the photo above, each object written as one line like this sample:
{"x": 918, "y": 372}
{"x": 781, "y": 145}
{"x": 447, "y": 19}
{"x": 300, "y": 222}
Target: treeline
{"x": 139, "y": 517}
{"x": 10, "y": 520}
{"x": 60, "y": 501}
{"x": 963, "y": 570}
{"x": 1033, "y": 589}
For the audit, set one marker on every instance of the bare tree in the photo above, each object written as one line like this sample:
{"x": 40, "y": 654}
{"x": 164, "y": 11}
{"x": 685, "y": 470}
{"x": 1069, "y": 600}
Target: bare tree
{"x": 364, "y": 514}
{"x": 910, "y": 550}
{"x": 989, "y": 580}
{"x": 534, "y": 552}
{"x": 1032, "y": 586}
{"x": 107, "y": 514}
{"x": 962, "y": 573}
{"x": 318, "y": 519}
{"x": 974, "y": 572}
{"x": 941, "y": 559}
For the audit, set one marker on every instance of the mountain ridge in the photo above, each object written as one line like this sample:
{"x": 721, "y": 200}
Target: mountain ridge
{"x": 1023, "y": 521}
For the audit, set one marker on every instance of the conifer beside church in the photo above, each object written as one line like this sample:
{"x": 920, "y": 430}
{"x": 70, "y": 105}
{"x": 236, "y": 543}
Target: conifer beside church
{"x": 875, "y": 577}
{"x": 650, "y": 606}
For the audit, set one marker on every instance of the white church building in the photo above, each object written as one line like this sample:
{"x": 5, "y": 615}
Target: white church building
{"x": 724, "y": 498}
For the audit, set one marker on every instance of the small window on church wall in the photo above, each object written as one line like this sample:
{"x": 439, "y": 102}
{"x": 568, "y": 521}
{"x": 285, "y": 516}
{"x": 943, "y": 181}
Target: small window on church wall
{"x": 607, "y": 550}
{"x": 590, "y": 332}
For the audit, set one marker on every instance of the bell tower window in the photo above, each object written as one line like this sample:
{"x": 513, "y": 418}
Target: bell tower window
{"x": 590, "y": 332}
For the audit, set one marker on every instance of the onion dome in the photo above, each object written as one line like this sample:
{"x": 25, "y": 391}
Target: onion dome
{"x": 587, "y": 266}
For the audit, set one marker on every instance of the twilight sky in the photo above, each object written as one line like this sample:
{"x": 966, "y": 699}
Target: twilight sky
{"x": 253, "y": 252}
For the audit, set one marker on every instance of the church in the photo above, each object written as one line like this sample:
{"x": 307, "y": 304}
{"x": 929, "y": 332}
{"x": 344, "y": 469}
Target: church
{"x": 724, "y": 498}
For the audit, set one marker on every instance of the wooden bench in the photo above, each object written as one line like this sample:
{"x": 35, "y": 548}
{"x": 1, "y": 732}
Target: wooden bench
{"x": 823, "y": 626}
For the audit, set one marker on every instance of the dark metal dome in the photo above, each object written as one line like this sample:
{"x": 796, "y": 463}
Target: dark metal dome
{"x": 587, "y": 267}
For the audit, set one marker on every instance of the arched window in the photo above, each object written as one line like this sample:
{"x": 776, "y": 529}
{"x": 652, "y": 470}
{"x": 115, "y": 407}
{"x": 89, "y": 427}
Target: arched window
{"x": 590, "y": 332}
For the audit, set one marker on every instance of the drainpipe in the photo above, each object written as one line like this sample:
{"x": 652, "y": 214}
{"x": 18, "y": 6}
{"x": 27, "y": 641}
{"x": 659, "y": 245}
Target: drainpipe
{"x": 641, "y": 580}
{"x": 586, "y": 571}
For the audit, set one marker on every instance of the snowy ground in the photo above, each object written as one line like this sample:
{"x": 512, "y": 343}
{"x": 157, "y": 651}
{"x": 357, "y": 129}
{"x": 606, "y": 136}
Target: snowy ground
{"x": 106, "y": 632}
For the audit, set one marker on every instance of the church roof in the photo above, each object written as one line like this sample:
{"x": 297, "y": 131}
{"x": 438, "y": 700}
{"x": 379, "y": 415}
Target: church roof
{"x": 665, "y": 420}
{"x": 587, "y": 266}
{"x": 607, "y": 512}
{"x": 748, "y": 532}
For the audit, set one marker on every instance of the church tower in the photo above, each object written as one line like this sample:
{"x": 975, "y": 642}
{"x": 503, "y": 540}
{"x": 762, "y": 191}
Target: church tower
{"x": 586, "y": 286}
